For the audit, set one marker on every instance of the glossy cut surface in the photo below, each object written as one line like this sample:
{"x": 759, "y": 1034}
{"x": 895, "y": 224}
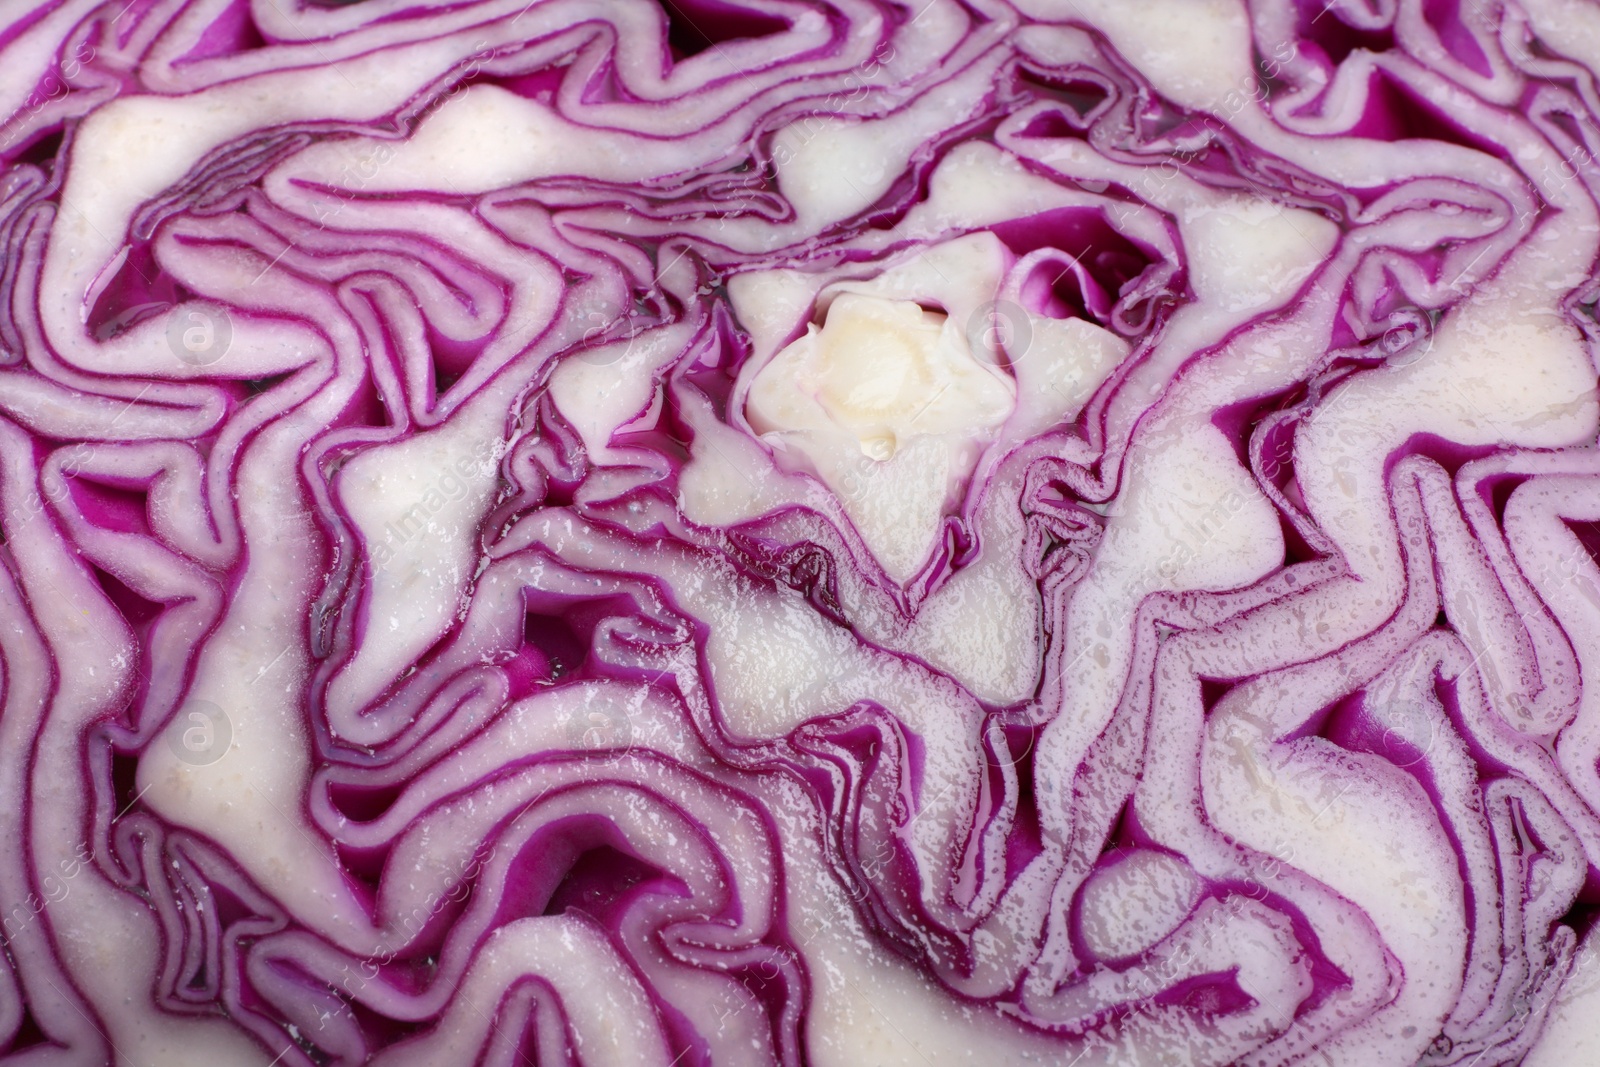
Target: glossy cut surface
{"x": 814, "y": 533}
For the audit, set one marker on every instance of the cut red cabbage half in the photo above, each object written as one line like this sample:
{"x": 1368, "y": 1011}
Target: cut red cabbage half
{"x": 799, "y": 532}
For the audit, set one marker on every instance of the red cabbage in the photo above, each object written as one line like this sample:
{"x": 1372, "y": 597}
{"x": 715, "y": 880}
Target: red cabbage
{"x": 799, "y": 532}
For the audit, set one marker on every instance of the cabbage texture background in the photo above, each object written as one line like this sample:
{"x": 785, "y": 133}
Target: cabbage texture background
{"x": 637, "y": 533}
